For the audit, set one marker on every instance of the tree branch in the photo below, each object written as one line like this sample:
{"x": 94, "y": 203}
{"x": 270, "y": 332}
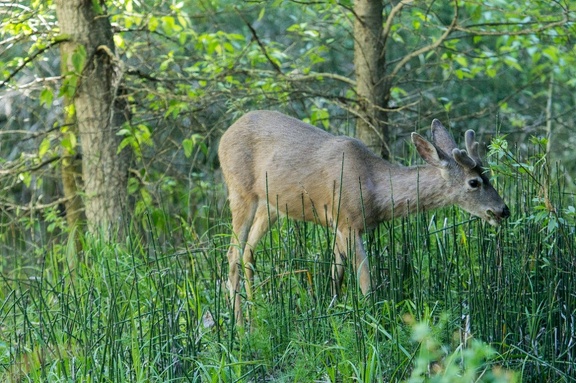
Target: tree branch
{"x": 17, "y": 169}
{"x": 32, "y": 134}
{"x": 316, "y": 75}
{"x": 32, "y": 206}
{"x": 259, "y": 42}
{"x": 31, "y": 58}
{"x": 390, "y": 19}
{"x": 430, "y": 47}
{"x": 142, "y": 75}
{"x": 526, "y": 31}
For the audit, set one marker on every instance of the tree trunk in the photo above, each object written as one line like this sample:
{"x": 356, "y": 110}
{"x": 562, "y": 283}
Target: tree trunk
{"x": 71, "y": 181}
{"x": 71, "y": 167}
{"x": 98, "y": 116}
{"x": 369, "y": 63}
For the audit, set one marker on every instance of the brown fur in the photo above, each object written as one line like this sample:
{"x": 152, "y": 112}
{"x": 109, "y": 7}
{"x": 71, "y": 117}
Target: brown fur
{"x": 277, "y": 165}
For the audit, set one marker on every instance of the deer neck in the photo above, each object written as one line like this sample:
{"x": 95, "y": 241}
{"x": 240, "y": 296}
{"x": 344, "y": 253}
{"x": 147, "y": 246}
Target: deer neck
{"x": 407, "y": 190}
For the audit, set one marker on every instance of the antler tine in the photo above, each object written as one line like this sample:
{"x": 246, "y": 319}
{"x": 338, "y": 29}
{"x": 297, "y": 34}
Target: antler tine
{"x": 472, "y": 146}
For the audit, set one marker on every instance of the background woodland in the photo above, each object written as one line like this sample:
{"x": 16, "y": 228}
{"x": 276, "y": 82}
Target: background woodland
{"x": 112, "y": 199}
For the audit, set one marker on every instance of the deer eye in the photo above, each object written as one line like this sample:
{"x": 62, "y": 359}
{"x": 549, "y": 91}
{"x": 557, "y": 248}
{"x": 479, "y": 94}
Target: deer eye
{"x": 474, "y": 184}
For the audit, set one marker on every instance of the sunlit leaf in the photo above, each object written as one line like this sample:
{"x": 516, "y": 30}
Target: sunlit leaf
{"x": 46, "y": 97}
{"x": 79, "y": 58}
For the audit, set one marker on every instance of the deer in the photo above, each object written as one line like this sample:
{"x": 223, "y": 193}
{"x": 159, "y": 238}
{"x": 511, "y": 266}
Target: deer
{"x": 275, "y": 165}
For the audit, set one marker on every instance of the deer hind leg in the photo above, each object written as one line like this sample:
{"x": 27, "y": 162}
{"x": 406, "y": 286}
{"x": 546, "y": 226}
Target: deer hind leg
{"x": 265, "y": 217}
{"x": 243, "y": 211}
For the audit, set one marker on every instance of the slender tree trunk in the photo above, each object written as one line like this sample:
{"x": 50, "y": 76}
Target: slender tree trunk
{"x": 369, "y": 62}
{"x": 71, "y": 167}
{"x": 71, "y": 170}
{"x": 98, "y": 116}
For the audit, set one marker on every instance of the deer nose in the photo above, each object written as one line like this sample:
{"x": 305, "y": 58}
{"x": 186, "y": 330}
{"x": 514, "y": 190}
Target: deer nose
{"x": 505, "y": 212}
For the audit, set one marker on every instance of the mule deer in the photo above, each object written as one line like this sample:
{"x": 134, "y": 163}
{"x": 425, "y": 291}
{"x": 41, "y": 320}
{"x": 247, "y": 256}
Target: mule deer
{"x": 274, "y": 164}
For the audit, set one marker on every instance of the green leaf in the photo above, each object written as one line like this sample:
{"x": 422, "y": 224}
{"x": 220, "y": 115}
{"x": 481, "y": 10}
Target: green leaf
{"x": 133, "y": 185}
{"x": 461, "y": 60}
{"x": 182, "y": 20}
{"x": 26, "y": 178}
{"x": 69, "y": 84}
{"x": 513, "y": 63}
{"x": 182, "y": 37}
{"x": 46, "y": 97}
{"x": 153, "y": 24}
{"x": 79, "y": 58}
{"x": 195, "y": 141}
{"x": 124, "y": 132}
{"x": 187, "y": 145}
{"x": 491, "y": 71}
{"x": 143, "y": 135}
{"x": 169, "y": 25}
{"x": 69, "y": 142}
{"x": 44, "y": 147}
{"x": 551, "y": 52}
{"x": 320, "y": 115}
{"x": 128, "y": 141}
{"x": 261, "y": 14}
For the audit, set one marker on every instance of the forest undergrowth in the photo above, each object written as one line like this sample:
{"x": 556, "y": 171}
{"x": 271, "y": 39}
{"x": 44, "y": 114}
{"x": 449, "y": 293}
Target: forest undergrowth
{"x": 455, "y": 299}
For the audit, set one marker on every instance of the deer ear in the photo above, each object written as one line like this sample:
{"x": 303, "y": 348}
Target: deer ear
{"x": 429, "y": 153}
{"x": 441, "y": 137}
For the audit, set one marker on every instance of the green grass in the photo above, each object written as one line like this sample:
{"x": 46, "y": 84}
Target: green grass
{"x": 455, "y": 301}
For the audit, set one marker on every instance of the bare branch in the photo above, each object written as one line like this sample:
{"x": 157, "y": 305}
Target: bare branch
{"x": 33, "y": 205}
{"x": 525, "y": 31}
{"x": 316, "y": 75}
{"x": 31, "y": 58}
{"x": 19, "y": 169}
{"x": 39, "y": 80}
{"x": 260, "y": 43}
{"x": 390, "y": 19}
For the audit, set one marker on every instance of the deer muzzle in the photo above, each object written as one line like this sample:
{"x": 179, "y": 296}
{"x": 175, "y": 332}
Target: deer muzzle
{"x": 495, "y": 217}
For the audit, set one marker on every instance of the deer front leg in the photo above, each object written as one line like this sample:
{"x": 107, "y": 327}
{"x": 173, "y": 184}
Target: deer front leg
{"x": 234, "y": 281}
{"x": 242, "y": 219}
{"x": 264, "y": 218}
{"x": 341, "y": 250}
{"x": 337, "y": 272}
{"x": 362, "y": 266}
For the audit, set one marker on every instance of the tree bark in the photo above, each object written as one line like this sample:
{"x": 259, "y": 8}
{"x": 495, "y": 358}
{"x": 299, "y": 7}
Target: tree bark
{"x": 369, "y": 63}
{"x": 97, "y": 111}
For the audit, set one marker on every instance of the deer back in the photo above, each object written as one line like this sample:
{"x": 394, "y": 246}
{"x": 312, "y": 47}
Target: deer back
{"x": 302, "y": 171}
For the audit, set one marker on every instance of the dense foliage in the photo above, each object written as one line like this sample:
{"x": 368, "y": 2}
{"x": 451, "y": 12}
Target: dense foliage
{"x": 188, "y": 69}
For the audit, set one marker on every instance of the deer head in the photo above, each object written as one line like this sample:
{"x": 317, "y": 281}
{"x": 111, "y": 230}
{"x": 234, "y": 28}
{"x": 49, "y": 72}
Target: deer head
{"x": 468, "y": 184}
